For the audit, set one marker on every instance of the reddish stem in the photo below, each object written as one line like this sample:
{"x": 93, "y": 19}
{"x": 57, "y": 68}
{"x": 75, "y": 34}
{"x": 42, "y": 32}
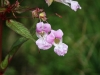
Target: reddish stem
{"x": 0, "y": 39}
{"x": 1, "y": 73}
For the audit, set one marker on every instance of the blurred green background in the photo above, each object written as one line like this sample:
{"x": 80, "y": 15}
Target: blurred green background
{"x": 81, "y": 34}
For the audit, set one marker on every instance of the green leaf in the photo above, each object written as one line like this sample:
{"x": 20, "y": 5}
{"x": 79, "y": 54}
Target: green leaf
{"x": 4, "y": 64}
{"x": 14, "y": 49}
{"x": 19, "y": 28}
{"x": 17, "y": 45}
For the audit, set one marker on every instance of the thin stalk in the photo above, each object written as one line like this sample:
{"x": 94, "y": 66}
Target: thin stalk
{"x": 1, "y": 25}
{"x": 0, "y": 39}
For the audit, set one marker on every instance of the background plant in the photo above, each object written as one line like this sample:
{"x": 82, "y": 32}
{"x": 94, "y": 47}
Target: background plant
{"x": 81, "y": 33}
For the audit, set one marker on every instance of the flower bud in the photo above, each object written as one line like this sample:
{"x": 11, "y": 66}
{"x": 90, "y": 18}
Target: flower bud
{"x": 42, "y": 16}
{"x": 34, "y": 13}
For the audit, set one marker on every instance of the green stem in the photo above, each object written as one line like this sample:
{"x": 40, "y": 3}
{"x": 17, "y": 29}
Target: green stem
{"x": 1, "y": 25}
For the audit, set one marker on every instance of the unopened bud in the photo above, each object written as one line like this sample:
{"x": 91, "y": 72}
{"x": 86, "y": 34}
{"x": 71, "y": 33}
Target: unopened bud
{"x": 34, "y": 13}
{"x": 17, "y": 4}
{"x": 42, "y": 16}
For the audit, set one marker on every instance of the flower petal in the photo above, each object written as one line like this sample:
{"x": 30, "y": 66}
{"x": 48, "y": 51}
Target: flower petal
{"x": 61, "y": 49}
{"x": 39, "y": 27}
{"x": 75, "y": 5}
{"x": 58, "y": 33}
{"x": 47, "y": 27}
{"x": 64, "y": 1}
{"x": 50, "y": 38}
{"x": 43, "y": 44}
{"x": 49, "y": 2}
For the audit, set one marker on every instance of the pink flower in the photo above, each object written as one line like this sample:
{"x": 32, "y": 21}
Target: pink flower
{"x": 75, "y": 5}
{"x": 55, "y": 38}
{"x": 42, "y": 30}
{"x": 61, "y": 49}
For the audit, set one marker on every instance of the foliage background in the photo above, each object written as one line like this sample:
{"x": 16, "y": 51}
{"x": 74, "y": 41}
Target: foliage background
{"x": 81, "y": 33}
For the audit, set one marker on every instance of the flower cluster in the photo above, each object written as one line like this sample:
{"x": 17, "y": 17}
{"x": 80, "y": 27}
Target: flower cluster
{"x": 73, "y": 4}
{"x": 48, "y": 37}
